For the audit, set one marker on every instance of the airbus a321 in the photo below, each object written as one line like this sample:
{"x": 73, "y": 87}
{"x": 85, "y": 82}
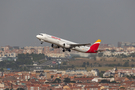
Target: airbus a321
{"x": 68, "y": 45}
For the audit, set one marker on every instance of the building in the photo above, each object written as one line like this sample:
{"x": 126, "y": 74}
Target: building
{"x": 116, "y": 75}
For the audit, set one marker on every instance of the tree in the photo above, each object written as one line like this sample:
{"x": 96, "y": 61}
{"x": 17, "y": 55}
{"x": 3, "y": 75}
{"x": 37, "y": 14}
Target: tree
{"x": 91, "y": 64}
{"x": 105, "y": 81}
{"x": 88, "y": 64}
{"x": 52, "y": 76}
{"x": 123, "y": 56}
{"x": 72, "y": 66}
{"x": 100, "y": 65}
{"x": 94, "y": 58}
{"x": 113, "y": 50}
{"x": 100, "y": 74}
{"x": 20, "y": 89}
{"x": 57, "y": 80}
{"x": 129, "y": 77}
{"x": 132, "y": 65}
{"x": 100, "y": 54}
{"x": 113, "y": 82}
{"x": 7, "y": 89}
{"x": 118, "y": 64}
{"x": 126, "y": 64}
{"x": 72, "y": 82}
{"x": 64, "y": 63}
{"x": 122, "y": 87}
{"x": 83, "y": 64}
{"x": 1, "y": 69}
{"x": 66, "y": 80}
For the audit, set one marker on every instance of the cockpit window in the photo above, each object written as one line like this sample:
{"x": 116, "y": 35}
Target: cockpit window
{"x": 41, "y": 34}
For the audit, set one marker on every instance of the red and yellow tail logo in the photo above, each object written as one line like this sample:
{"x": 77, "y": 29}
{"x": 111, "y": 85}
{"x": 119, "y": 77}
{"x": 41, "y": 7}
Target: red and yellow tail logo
{"x": 98, "y": 41}
{"x": 94, "y": 47}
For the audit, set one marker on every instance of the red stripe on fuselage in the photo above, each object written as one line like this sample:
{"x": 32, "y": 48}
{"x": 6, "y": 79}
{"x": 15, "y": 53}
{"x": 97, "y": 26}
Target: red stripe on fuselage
{"x": 55, "y": 38}
{"x": 93, "y": 48}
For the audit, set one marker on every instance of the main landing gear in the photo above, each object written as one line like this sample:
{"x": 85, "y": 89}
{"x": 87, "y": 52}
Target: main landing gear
{"x": 66, "y": 50}
{"x": 63, "y": 50}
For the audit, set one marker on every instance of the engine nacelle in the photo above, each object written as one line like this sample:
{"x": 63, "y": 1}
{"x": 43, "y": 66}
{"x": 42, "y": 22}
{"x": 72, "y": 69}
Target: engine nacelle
{"x": 65, "y": 45}
{"x": 55, "y": 46}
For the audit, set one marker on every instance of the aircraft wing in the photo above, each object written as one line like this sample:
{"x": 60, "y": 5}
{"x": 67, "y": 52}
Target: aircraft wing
{"x": 100, "y": 50}
{"x": 77, "y": 45}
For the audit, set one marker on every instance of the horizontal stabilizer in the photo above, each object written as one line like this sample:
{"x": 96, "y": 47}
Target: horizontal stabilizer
{"x": 100, "y": 50}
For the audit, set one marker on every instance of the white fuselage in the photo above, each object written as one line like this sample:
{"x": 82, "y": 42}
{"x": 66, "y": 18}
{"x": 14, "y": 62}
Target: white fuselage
{"x": 58, "y": 41}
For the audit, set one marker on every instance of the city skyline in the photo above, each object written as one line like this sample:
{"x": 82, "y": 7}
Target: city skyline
{"x": 77, "y": 21}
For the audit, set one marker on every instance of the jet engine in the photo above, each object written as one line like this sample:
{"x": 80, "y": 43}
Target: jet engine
{"x": 55, "y": 46}
{"x": 65, "y": 45}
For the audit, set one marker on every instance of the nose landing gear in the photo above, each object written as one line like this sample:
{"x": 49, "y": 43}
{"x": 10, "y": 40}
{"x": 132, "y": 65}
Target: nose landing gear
{"x": 41, "y": 42}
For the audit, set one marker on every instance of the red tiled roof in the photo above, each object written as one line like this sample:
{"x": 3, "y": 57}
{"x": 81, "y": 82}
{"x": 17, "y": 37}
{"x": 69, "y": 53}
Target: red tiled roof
{"x": 83, "y": 79}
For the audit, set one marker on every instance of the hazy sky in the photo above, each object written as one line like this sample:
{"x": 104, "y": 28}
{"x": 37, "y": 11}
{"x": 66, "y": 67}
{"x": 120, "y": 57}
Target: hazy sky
{"x": 81, "y": 21}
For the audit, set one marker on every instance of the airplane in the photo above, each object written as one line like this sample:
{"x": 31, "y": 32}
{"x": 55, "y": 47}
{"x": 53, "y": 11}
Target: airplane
{"x": 68, "y": 45}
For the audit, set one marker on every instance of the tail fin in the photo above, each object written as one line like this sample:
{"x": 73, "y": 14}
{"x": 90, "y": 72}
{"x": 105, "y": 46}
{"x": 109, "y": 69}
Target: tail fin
{"x": 94, "y": 47}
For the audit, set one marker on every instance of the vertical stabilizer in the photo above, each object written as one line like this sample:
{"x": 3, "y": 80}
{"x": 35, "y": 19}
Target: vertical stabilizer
{"x": 94, "y": 47}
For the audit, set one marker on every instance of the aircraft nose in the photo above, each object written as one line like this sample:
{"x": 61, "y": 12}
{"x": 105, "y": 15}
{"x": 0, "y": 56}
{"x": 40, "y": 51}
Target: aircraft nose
{"x": 38, "y": 36}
